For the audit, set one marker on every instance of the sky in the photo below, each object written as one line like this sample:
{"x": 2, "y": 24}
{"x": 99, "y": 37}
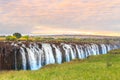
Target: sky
{"x": 100, "y": 17}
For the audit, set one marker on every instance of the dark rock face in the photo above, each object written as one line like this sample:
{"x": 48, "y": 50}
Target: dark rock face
{"x": 7, "y": 60}
{"x": 10, "y": 57}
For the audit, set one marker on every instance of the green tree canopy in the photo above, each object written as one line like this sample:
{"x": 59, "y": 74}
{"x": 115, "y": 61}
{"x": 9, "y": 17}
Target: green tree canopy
{"x": 17, "y": 35}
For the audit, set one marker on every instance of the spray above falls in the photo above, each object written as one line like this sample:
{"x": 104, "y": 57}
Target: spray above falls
{"x": 33, "y": 56}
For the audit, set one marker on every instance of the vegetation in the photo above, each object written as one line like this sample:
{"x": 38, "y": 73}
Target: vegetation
{"x": 11, "y": 38}
{"x": 24, "y": 38}
{"x": 17, "y": 35}
{"x": 92, "y": 68}
{"x": 74, "y": 40}
{"x": 2, "y": 38}
{"x": 59, "y": 40}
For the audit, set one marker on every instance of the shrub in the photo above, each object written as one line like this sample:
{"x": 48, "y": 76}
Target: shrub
{"x": 11, "y": 38}
{"x": 26, "y": 37}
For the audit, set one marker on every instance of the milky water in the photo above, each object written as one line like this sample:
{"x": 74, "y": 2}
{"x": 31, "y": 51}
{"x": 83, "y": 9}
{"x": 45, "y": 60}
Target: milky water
{"x": 52, "y": 53}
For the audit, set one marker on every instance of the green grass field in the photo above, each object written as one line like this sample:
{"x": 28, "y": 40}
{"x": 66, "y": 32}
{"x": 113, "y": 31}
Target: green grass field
{"x": 101, "y": 67}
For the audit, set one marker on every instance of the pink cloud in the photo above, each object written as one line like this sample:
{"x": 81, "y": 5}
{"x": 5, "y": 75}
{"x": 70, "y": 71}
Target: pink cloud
{"x": 92, "y": 14}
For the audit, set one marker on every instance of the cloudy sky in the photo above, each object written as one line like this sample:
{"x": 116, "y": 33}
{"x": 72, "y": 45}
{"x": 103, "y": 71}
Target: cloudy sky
{"x": 60, "y": 16}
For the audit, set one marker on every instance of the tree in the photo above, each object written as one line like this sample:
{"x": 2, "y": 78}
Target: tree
{"x": 17, "y": 35}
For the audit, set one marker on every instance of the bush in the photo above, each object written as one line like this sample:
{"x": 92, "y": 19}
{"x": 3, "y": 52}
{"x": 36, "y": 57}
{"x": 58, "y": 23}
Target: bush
{"x": 26, "y": 37}
{"x": 11, "y": 38}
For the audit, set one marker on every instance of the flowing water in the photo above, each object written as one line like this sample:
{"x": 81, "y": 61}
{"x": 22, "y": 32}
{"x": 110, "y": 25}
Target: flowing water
{"x": 57, "y": 53}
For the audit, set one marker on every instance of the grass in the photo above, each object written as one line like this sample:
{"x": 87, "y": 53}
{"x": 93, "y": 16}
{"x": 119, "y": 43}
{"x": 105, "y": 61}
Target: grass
{"x": 101, "y": 67}
{"x": 2, "y": 38}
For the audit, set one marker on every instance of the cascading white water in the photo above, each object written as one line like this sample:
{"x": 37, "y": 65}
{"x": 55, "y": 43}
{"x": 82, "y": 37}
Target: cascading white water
{"x": 39, "y": 53}
{"x": 23, "y": 58}
{"x": 48, "y": 53}
{"x": 66, "y": 54}
{"x": 58, "y": 54}
{"x": 69, "y": 52}
{"x": 80, "y": 52}
{"x": 95, "y": 49}
{"x": 104, "y": 49}
{"x": 37, "y": 56}
{"x": 32, "y": 59}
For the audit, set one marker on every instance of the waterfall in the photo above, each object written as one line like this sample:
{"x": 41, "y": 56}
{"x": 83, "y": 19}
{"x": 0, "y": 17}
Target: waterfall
{"x": 104, "y": 48}
{"x": 80, "y": 52}
{"x": 34, "y": 56}
{"x": 15, "y": 60}
{"x": 48, "y": 53}
{"x": 51, "y": 53}
{"x": 58, "y": 54}
{"x": 23, "y": 58}
{"x": 69, "y": 52}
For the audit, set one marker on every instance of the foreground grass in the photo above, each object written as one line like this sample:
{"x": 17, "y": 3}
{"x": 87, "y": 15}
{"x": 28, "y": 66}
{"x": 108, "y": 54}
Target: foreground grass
{"x": 102, "y": 67}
